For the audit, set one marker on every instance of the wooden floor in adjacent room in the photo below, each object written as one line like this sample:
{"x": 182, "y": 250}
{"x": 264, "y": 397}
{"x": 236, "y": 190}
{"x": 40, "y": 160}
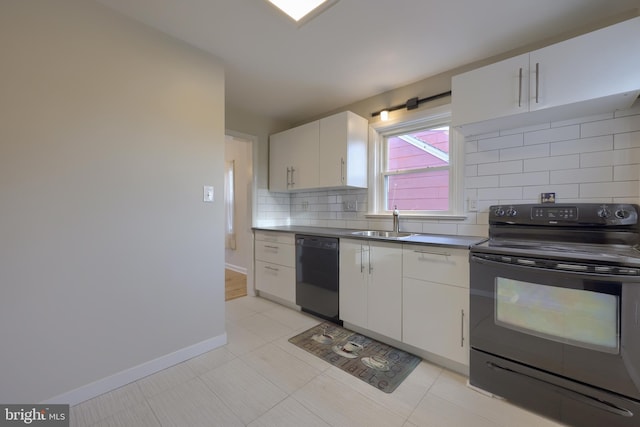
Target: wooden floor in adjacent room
{"x": 235, "y": 285}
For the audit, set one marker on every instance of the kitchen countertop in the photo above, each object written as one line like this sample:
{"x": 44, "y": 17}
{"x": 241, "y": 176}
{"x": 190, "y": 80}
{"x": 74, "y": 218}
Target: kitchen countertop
{"x": 447, "y": 240}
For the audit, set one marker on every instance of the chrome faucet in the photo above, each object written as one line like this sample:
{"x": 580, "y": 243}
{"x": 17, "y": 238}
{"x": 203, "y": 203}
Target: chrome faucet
{"x": 396, "y": 220}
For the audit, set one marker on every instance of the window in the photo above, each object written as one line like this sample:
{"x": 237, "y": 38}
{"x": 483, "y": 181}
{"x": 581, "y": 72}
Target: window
{"x": 417, "y": 166}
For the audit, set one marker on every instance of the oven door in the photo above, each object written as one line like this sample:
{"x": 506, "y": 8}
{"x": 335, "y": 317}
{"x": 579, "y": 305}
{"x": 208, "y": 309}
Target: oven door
{"x": 560, "y": 317}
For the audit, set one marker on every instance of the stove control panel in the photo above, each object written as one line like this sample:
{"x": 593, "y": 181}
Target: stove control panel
{"x": 578, "y": 214}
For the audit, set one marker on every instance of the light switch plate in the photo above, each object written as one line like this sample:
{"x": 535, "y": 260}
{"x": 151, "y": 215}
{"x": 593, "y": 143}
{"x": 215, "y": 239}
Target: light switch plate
{"x": 207, "y": 195}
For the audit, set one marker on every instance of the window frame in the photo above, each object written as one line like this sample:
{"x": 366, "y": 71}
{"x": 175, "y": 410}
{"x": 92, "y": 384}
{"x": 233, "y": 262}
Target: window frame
{"x": 407, "y": 123}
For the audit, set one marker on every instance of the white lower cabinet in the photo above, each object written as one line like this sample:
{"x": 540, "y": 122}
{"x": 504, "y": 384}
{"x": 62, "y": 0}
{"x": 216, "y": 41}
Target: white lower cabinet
{"x": 275, "y": 272}
{"x": 435, "y": 318}
{"x": 371, "y": 286}
{"x": 435, "y": 301}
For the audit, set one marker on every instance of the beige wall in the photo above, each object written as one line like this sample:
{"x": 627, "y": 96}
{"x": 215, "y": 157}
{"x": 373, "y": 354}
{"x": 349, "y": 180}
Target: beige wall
{"x": 109, "y": 258}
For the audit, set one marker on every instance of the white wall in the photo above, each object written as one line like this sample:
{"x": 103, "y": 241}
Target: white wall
{"x": 109, "y": 258}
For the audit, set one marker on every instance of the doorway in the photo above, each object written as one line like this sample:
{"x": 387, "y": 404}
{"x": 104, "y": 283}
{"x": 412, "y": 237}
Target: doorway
{"x": 239, "y": 154}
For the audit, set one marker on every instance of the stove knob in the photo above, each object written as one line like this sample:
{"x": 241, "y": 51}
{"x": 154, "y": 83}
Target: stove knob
{"x": 604, "y": 212}
{"x": 512, "y": 212}
{"x": 622, "y": 214}
{"x": 499, "y": 212}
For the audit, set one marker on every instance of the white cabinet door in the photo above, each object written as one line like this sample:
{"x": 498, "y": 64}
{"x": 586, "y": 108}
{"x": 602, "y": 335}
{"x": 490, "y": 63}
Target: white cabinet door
{"x": 590, "y": 74}
{"x": 385, "y": 289}
{"x": 371, "y": 286}
{"x": 354, "y": 273}
{"x": 591, "y": 66}
{"x": 343, "y": 150}
{"x": 293, "y": 158}
{"x": 435, "y": 318}
{"x": 496, "y": 90}
{"x": 305, "y": 151}
{"x": 280, "y": 161}
{"x": 276, "y": 280}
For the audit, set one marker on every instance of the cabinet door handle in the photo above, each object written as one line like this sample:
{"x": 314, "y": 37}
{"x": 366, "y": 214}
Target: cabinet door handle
{"x": 520, "y": 89}
{"x": 342, "y": 170}
{"x": 370, "y": 263}
{"x": 361, "y": 259}
{"x": 537, "y": 82}
{"x": 271, "y": 268}
{"x": 461, "y": 328}
{"x": 292, "y": 171}
{"x": 272, "y": 247}
{"x": 288, "y": 173}
{"x": 444, "y": 254}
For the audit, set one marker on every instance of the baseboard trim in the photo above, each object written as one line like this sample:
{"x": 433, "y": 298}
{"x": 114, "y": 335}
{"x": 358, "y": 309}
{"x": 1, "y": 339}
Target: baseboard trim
{"x": 235, "y": 268}
{"x": 135, "y": 373}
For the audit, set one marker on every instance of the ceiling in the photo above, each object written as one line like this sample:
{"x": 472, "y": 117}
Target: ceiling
{"x": 356, "y": 48}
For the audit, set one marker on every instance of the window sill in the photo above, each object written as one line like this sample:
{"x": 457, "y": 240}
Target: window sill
{"x": 418, "y": 216}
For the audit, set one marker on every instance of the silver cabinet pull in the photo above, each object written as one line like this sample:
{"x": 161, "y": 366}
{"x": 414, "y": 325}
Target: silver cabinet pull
{"x": 361, "y": 259}
{"x": 272, "y": 247}
{"x": 370, "y": 263}
{"x": 342, "y": 170}
{"x": 271, "y": 268}
{"x": 292, "y": 181}
{"x": 537, "y": 82}
{"x": 461, "y": 328}
{"x": 520, "y": 89}
{"x": 444, "y": 254}
{"x": 288, "y": 173}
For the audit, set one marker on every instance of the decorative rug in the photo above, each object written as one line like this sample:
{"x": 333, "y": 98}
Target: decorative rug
{"x": 378, "y": 364}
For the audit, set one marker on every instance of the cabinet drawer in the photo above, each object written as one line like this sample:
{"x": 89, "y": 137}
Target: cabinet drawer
{"x": 275, "y": 237}
{"x": 276, "y": 280}
{"x": 276, "y": 253}
{"x": 436, "y": 264}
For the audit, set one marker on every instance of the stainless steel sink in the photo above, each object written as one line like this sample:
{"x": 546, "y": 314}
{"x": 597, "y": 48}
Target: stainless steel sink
{"x": 382, "y": 234}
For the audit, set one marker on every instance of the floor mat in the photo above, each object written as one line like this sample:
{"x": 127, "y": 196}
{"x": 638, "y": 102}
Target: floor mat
{"x": 378, "y": 364}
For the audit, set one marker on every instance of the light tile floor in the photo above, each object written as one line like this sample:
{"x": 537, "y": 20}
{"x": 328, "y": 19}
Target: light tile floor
{"x": 259, "y": 379}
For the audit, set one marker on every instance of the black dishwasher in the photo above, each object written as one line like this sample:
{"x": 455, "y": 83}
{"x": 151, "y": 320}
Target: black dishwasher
{"x": 317, "y": 276}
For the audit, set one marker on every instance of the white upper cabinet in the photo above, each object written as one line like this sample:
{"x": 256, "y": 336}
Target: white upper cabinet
{"x": 293, "y": 158}
{"x": 327, "y": 153}
{"x": 343, "y": 150}
{"x": 590, "y": 74}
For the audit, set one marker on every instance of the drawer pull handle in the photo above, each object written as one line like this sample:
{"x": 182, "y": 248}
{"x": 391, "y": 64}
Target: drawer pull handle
{"x": 271, "y": 268}
{"x": 272, "y": 247}
{"x": 444, "y": 254}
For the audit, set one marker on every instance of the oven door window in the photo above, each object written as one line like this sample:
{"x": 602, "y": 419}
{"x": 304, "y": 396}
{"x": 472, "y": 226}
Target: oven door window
{"x": 578, "y": 317}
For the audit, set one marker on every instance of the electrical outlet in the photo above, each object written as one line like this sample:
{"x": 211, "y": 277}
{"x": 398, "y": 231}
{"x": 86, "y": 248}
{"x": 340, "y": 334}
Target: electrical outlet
{"x": 350, "y": 205}
{"x": 473, "y": 205}
{"x": 305, "y": 206}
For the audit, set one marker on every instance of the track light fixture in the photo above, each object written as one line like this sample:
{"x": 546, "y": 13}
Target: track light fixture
{"x": 411, "y": 104}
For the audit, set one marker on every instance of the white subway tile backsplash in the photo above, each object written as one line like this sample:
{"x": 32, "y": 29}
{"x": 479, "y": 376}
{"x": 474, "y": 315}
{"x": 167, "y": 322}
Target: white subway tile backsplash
{"x": 482, "y": 181}
{"x": 524, "y": 179}
{"x": 482, "y": 157}
{"x": 599, "y": 158}
{"x": 626, "y": 140}
{"x": 552, "y": 163}
{"x": 500, "y": 142}
{"x": 471, "y": 146}
{"x": 503, "y": 193}
{"x": 471, "y": 170}
{"x": 500, "y": 168}
{"x": 577, "y": 176}
{"x": 584, "y": 145}
{"x": 626, "y": 157}
{"x": 525, "y": 129}
{"x": 609, "y": 127}
{"x": 552, "y": 135}
{"x": 526, "y": 152}
{"x": 626, "y": 173}
{"x": 609, "y": 189}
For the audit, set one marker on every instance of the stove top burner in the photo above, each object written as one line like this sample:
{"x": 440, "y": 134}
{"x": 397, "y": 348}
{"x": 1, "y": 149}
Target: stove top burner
{"x": 582, "y": 232}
